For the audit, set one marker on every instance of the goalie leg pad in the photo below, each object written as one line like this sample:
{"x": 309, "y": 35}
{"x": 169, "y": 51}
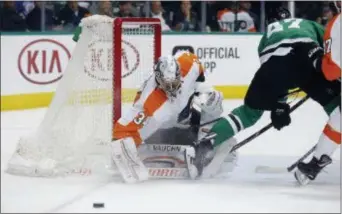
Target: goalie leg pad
{"x": 166, "y": 161}
{"x": 221, "y": 153}
{"x": 126, "y": 158}
{"x": 163, "y": 155}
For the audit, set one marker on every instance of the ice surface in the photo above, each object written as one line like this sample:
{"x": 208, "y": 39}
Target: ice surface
{"x": 241, "y": 191}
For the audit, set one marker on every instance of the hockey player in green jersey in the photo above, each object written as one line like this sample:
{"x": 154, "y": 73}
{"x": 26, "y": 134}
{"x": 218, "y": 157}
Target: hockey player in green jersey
{"x": 290, "y": 52}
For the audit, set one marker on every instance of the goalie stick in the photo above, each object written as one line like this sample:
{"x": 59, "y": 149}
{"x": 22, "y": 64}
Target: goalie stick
{"x": 269, "y": 169}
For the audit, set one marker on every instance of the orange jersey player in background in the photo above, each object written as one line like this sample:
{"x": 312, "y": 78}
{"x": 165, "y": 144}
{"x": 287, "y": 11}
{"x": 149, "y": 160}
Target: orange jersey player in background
{"x": 330, "y": 138}
{"x": 331, "y": 64}
{"x": 163, "y": 96}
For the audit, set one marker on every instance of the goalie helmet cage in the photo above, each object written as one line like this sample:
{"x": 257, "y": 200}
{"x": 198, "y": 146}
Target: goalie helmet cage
{"x": 78, "y": 125}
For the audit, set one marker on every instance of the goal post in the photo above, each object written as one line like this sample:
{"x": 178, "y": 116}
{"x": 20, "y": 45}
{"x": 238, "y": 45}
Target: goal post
{"x": 118, "y": 33}
{"x": 109, "y": 63}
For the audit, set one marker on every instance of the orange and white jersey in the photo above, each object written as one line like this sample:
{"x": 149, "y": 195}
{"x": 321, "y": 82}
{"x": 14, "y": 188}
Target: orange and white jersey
{"x": 152, "y": 108}
{"x": 331, "y": 64}
{"x": 226, "y": 20}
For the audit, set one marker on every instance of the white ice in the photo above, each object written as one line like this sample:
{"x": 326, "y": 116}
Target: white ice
{"x": 241, "y": 191}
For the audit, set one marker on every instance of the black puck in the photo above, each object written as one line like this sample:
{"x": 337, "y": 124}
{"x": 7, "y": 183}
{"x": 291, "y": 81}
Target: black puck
{"x": 98, "y": 205}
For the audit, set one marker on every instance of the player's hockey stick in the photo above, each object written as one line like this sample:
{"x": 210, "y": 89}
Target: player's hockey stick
{"x": 217, "y": 119}
{"x": 269, "y": 169}
{"x": 267, "y": 127}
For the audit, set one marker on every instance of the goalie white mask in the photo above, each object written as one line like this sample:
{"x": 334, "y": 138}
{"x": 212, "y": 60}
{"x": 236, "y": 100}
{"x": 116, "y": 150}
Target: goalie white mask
{"x": 168, "y": 75}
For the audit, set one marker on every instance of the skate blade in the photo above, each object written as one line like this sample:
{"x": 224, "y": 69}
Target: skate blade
{"x": 301, "y": 178}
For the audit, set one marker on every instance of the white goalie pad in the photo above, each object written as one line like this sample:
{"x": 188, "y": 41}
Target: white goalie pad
{"x": 163, "y": 155}
{"x": 168, "y": 161}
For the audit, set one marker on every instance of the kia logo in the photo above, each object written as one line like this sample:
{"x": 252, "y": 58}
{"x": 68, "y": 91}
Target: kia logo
{"x": 41, "y": 61}
{"x": 99, "y": 60}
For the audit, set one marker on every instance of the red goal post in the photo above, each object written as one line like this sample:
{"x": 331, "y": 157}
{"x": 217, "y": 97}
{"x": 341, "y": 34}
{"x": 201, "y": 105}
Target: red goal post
{"x": 117, "y": 50}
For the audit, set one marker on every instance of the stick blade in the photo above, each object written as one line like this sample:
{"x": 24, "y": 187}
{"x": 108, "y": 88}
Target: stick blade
{"x": 270, "y": 170}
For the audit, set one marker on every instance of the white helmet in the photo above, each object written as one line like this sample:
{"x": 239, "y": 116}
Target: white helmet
{"x": 168, "y": 76}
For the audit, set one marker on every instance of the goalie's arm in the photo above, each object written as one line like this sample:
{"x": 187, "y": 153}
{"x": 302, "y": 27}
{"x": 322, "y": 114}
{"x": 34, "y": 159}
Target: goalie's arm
{"x": 150, "y": 109}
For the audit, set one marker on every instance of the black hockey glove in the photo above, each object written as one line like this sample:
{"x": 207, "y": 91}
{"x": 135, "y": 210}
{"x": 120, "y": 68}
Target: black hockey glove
{"x": 280, "y": 115}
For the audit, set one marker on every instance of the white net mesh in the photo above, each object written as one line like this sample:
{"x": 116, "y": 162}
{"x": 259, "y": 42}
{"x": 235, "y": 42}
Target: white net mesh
{"x": 77, "y": 127}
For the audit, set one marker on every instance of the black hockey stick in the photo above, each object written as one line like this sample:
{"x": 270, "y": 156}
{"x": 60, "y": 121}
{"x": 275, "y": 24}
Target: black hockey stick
{"x": 294, "y": 165}
{"x": 269, "y": 169}
{"x": 217, "y": 119}
{"x": 267, "y": 127}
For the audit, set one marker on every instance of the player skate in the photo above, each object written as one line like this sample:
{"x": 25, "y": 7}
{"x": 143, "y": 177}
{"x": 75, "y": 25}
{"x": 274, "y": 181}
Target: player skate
{"x": 309, "y": 171}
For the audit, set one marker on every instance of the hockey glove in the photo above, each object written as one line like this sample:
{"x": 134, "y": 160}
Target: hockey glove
{"x": 280, "y": 115}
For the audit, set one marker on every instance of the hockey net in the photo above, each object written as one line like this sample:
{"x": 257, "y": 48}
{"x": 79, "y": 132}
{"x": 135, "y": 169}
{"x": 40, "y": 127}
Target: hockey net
{"x": 77, "y": 128}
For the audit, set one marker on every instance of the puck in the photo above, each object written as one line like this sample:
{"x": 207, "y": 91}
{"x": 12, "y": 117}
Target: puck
{"x": 98, "y": 205}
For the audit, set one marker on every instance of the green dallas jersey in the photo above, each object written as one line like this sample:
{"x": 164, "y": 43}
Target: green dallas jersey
{"x": 279, "y": 34}
{"x": 290, "y": 31}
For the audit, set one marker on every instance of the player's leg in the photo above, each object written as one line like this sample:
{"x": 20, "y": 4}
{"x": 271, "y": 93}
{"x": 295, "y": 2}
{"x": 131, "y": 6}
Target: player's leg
{"x": 239, "y": 119}
{"x": 329, "y": 141}
{"x": 327, "y": 94}
{"x": 330, "y": 138}
{"x": 270, "y": 85}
